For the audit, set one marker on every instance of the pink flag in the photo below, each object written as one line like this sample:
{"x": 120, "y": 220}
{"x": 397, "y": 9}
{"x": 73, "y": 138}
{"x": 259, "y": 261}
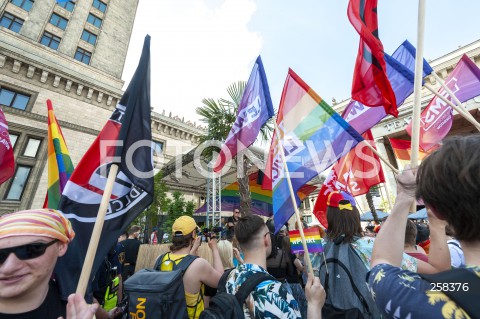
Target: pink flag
{"x": 437, "y": 117}
{"x": 7, "y": 162}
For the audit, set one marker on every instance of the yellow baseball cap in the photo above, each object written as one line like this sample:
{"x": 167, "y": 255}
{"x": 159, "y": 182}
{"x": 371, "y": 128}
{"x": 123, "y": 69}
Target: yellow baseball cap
{"x": 184, "y": 225}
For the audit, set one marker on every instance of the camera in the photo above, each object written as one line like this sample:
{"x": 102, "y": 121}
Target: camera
{"x": 213, "y": 232}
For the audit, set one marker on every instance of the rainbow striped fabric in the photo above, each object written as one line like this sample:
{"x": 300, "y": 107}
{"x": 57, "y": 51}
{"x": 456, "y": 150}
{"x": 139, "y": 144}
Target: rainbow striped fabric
{"x": 313, "y": 137}
{"x": 312, "y": 237}
{"x": 60, "y": 166}
{"x": 261, "y": 198}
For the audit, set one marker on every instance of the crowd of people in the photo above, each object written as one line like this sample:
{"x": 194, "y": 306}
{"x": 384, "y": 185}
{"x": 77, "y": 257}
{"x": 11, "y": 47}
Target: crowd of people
{"x": 362, "y": 273}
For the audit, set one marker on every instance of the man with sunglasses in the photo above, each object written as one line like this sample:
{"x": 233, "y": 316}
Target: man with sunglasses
{"x": 30, "y": 243}
{"x": 231, "y": 222}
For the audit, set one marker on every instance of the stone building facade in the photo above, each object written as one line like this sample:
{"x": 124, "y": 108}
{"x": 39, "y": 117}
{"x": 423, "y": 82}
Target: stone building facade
{"x": 72, "y": 53}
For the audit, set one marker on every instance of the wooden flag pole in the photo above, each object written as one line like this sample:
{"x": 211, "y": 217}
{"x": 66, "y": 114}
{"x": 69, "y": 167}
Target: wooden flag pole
{"x": 294, "y": 202}
{"x": 457, "y": 107}
{"x": 417, "y": 92}
{"x": 394, "y": 170}
{"x": 97, "y": 231}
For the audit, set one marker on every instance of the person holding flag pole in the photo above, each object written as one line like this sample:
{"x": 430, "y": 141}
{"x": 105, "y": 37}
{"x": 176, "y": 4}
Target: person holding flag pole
{"x": 417, "y": 94}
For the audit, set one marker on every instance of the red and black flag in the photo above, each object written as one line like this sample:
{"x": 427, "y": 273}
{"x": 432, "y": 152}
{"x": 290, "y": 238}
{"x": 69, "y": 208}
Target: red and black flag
{"x": 125, "y": 140}
{"x": 370, "y": 85}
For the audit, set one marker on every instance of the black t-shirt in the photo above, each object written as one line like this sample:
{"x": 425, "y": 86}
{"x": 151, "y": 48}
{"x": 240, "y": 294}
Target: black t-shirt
{"x": 131, "y": 250}
{"x": 230, "y": 230}
{"x": 51, "y": 308}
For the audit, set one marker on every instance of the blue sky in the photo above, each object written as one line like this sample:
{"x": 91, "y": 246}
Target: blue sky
{"x": 199, "y": 47}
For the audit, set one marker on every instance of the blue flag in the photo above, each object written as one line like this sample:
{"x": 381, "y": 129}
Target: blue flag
{"x": 254, "y": 110}
{"x": 400, "y": 72}
{"x": 129, "y": 127}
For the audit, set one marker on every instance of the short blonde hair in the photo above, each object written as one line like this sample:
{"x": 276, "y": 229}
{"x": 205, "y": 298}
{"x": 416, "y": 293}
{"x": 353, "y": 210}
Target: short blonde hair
{"x": 225, "y": 249}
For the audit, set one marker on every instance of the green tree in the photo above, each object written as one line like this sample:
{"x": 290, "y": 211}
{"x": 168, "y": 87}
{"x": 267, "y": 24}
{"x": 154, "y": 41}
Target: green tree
{"x": 150, "y": 216}
{"x": 176, "y": 206}
{"x": 220, "y": 115}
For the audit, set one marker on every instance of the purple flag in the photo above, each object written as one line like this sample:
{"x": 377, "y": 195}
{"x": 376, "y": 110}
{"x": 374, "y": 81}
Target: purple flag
{"x": 437, "y": 118}
{"x": 400, "y": 72}
{"x": 255, "y": 109}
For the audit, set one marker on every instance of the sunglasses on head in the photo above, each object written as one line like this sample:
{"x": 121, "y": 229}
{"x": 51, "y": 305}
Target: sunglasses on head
{"x": 25, "y": 252}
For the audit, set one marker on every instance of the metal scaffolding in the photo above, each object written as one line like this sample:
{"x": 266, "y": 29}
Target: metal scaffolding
{"x": 214, "y": 200}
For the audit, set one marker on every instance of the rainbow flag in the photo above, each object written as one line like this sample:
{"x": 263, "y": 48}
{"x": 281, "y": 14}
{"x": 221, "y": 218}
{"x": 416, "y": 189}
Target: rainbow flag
{"x": 313, "y": 137}
{"x": 403, "y": 150}
{"x": 312, "y": 237}
{"x": 60, "y": 166}
{"x": 261, "y": 198}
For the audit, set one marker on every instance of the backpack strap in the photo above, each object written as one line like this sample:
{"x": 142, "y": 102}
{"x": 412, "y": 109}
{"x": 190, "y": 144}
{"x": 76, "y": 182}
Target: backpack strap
{"x": 159, "y": 262}
{"x": 183, "y": 264}
{"x": 454, "y": 244}
{"x": 250, "y": 284}
{"x": 354, "y": 287}
{"x": 468, "y": 301}
{"x": 221, "y": 287}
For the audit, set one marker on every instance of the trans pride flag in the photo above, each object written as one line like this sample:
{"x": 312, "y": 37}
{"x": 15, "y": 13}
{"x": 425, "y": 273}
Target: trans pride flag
{"x": 313, "y": 136}
{"x": 60, "y": 165}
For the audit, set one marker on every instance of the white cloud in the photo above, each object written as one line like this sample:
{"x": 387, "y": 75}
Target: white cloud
{"x": 198, "y": 48}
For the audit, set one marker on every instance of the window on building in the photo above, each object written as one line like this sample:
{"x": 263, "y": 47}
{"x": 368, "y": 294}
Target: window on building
{"x": 13, "y": 139}
{"x": 32, "y": 147}
{"x": 100, "y": 5}
{"x": 13, "y": 99}
{"x": 158, "y": 148}
{"x": 19, "y": 182}
{"x": 89, "y": 37}
{"x": 59, "y": 21}
{"x": 68, "y": 5}
{"x": 83, "y": 56}
{"x": 96, "y": 21}
{"x": 50, "y": 40}
{"x": 24, "y": 4}
{"x": 11, "y": 22}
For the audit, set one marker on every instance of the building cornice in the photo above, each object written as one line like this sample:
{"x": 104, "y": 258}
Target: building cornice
{"x": 44, "y": 119}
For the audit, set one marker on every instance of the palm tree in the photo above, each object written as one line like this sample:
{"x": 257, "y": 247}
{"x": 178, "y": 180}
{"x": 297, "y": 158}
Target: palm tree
{"x": 369, "y": 198}
{"x": 219, "y": 115}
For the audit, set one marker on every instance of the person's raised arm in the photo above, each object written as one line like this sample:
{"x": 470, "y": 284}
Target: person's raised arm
{"x": 217, "y": 261}
{"x": 389, "y": 244}
{"x": 315, "y": 294}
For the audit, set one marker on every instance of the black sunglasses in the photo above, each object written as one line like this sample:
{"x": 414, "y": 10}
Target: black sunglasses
{"x": 25, "y": 252}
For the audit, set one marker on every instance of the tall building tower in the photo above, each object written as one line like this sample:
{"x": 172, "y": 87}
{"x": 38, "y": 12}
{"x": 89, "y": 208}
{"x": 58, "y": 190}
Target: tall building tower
{"x": 72, "y": 53}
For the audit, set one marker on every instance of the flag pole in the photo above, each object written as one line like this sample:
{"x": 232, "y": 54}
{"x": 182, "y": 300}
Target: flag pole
{"x": 449, "y": 91}
{"x": 97, "y": 231}
{"x": 457, "y": 107}
{"x": 417, "y": 92}
{"x": 292, "y": 196}
{"x": 394, "y": 170}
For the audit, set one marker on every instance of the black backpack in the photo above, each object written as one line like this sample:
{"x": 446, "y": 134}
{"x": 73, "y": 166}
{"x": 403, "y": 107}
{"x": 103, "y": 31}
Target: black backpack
{"x": 464, "y": 289}
{"x": 227, "y": 306}
{"x": 152, "y": 293}
{"x": 347, "y": 292}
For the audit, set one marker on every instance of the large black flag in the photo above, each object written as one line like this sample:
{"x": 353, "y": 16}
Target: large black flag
{"x": 125, "y": 140}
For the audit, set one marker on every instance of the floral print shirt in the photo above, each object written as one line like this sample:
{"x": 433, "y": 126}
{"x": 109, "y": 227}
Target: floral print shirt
{"x": 402, "y": 294}
{"x": 271, "y": 298}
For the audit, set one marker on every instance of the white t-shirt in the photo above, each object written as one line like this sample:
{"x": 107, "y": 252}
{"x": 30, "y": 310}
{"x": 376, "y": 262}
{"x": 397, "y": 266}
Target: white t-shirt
{"x": 456, "y": 253}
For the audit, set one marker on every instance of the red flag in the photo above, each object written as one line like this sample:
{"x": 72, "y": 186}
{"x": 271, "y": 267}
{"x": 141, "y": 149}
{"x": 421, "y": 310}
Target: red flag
{"x": 370, "y": 84}
{"x": 355, "y": 173}
{"x": 7, "y": 162}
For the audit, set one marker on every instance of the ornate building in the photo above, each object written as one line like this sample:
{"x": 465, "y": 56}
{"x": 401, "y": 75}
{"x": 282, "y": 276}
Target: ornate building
{"x": 72, "y": 53}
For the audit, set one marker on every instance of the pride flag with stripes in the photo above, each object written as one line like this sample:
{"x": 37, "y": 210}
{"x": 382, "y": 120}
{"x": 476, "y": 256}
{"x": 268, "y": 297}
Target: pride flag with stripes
{"x": 261, "y": 198}
{"x": 312, "y": 237}
{"x": 60, "y": 166}
{"x": 313, "y": 137}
